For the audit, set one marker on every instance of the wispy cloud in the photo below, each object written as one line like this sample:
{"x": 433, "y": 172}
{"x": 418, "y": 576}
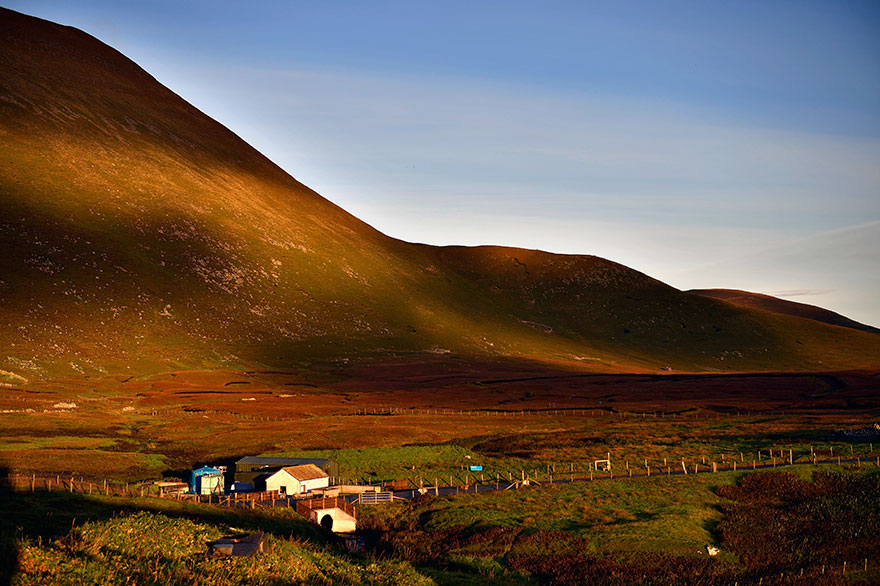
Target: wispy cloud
{"x": 802, "y": 292}
{"x": 366, "y": 137}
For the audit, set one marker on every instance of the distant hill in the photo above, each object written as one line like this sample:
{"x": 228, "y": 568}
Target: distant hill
{"x": 783, "y": 306}
{"x": 141, "y": 236}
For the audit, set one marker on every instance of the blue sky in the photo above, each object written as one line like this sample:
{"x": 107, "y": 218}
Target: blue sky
{"x": 708, "y": 144}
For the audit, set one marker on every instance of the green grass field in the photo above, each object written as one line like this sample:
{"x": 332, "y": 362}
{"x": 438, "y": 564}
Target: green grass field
{"x": 601, "y": 528}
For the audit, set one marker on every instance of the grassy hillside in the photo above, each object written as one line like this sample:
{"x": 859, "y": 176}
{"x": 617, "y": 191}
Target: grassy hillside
{"x": 141, "y": 236}
{"x": 616, "y": 311}
{"x": 783, "y": 306}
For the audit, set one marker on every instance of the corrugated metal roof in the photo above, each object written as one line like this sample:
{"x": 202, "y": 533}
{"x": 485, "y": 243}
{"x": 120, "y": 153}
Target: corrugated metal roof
{"x": 305, "y": 472}
{"x": 269, "y": 461}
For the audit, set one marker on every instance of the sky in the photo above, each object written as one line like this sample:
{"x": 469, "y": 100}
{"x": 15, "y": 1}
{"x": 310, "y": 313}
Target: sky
{"x": 707, "y": 144}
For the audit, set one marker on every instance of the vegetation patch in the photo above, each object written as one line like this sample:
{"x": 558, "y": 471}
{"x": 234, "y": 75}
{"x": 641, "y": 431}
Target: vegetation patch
{"x": 777, "y": 522}
{"x": 142, "y": 546}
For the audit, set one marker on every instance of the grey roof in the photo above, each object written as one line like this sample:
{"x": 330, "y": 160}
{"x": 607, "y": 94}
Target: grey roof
{"x": 267, "y": 461}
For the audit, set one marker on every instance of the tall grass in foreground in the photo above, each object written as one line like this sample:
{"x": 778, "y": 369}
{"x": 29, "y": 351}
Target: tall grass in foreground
{"x": 151, "y": 548}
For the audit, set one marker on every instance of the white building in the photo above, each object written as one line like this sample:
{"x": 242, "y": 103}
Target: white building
{"x": 293, "y": 480}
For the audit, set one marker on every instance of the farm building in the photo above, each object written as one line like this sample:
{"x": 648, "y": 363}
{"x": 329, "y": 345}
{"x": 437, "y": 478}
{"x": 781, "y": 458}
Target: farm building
{"x": 297, "y": 479}
{"x": 207, "y": 480}
{"x": 242, "y": 487}
{"x": 170, "y": 488}
{"x": 256, "y": 469}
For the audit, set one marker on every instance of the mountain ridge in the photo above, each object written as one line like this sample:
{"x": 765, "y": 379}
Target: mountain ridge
{"x": 783, "y": 306}
{"x": 140, "y": 236}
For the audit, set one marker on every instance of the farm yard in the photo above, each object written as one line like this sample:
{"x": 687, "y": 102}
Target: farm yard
{"x": 613, "y": 532}
{"x": 458, "y": 451}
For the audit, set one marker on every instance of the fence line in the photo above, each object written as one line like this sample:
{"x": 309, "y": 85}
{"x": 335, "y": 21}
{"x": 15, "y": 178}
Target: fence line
{"x": 509, "y": 476}
{"x": 384, "y": 411}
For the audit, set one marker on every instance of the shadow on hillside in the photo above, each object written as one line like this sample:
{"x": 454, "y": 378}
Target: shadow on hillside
{"x": 8, "y": 549}
{"x": 50, "y": 515}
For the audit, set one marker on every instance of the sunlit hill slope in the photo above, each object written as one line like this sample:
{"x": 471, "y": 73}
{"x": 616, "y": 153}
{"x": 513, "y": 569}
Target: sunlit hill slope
{"x": 138, "y": 235}
{"x": 784, "y": 306}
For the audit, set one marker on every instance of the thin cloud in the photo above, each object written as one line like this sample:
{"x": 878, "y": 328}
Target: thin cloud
{"x": 802, "y": 292}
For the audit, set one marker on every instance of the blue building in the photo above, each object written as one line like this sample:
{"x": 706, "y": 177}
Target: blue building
{"x": 207, "y": 480}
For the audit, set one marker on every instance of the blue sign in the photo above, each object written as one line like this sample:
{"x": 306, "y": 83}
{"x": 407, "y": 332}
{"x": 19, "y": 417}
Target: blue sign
{"x": 476, "y": 468}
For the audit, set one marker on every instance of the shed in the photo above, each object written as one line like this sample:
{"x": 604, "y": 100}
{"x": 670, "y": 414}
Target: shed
{"x": 292, "y": 480}
{"x": 238, "y": 545}
{"x": 207, "y": 480}
{"x": 172, "y": 488}
{"x": 256, "y": 469}
{"x": 242, "y": 487}
{"x": 250, "y": 468}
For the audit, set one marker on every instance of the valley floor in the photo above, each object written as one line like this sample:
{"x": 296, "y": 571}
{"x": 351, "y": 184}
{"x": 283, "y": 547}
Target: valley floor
{"x": 414, "y": 425}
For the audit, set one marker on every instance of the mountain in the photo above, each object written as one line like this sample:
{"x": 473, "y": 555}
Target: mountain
{"x": 783, "y": 306}
{"x": 141, "y": 236}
